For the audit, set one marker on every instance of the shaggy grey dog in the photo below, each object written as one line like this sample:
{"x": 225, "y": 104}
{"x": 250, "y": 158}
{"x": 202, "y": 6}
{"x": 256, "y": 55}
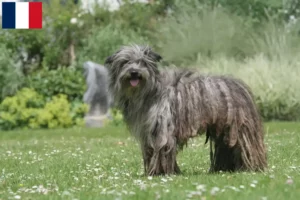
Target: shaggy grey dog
{"x": 164, "y": 108}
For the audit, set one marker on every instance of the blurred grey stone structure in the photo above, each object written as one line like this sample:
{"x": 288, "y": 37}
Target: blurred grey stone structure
{"x": 97, "y": 95}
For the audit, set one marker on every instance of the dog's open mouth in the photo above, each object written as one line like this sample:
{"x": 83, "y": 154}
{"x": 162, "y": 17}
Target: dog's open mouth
{"x": 135, "y": 79}
{"x": 134, "y": 82}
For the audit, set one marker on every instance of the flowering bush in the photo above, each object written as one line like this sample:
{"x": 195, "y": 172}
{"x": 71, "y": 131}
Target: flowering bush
{"x": 28, "y": 109}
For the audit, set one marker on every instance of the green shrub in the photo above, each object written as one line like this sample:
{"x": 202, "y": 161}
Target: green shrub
{"x": 275, "y": 83}
{"x": 256, "y": 9}
{"x": 68, "y": 81}
{"x": 198, "y": 30}
{"x": 116, "y": 117}
{"x": 278, "y": 41}
{"x": 139, "y": 17}
{"x": 11, "y": 77}
{"x": 16, "y": 111}
{"x": 64, "y": 28}
{"x": 26, "y": 46}
{"x": 28, "y": 109}
{"x": 67, "y": 28}
{"x": 103, "y": 41}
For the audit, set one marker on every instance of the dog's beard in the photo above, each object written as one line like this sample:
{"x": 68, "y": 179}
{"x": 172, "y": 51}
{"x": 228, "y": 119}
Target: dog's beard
{"x": 137, "y": 87}
{"x": 133, "y": 85}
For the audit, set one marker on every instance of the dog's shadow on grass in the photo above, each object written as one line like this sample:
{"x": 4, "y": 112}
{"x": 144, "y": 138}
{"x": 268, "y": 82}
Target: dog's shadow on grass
{"x": 184, "y": 173}
{"x": 208, "y": 173}
{"x": 199, "y": 173}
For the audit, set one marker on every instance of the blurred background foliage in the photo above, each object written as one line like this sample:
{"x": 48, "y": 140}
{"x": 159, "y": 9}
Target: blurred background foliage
{"x": 256, "y": 40}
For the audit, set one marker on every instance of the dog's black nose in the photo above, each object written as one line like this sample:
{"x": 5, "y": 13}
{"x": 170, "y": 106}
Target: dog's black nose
{"x": 134, "y": 73}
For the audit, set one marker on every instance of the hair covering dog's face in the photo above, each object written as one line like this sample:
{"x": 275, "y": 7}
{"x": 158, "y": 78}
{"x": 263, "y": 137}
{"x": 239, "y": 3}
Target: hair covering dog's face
{"x": 133, "y": 68}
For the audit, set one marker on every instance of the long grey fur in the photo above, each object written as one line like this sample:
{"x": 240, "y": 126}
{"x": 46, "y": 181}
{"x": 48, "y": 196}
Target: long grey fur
{"x": 170, "y": 106}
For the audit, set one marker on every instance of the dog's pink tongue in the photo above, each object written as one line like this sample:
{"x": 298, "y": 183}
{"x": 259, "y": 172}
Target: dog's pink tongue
{"x": 134, "y": 82}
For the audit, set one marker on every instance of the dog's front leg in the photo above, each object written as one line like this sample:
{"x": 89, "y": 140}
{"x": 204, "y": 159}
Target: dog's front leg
{"x": 147, "y": 155}
{"x": 163, "y": 160}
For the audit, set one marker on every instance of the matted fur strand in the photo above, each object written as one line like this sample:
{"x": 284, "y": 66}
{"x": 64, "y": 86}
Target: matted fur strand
{"x": 164, "y": 108}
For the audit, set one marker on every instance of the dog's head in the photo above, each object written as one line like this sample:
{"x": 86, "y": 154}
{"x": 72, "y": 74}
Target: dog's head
{"x": 133, "y": 68}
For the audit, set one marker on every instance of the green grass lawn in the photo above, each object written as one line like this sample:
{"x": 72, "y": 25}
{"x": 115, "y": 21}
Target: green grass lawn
{"x": 106, "y": 164}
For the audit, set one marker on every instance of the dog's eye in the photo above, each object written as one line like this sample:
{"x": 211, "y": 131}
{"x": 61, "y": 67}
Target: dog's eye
{"x": 125, "y": 62}
{"x": 143, "y": 63}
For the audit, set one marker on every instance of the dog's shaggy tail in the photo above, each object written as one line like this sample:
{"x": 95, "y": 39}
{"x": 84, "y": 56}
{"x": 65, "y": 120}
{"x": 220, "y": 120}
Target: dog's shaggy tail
{"x": 248, "y": 154}
{"x": 252, "y": 149}
{"x": 240, "y": 146}
{"x": 250, "y": 135}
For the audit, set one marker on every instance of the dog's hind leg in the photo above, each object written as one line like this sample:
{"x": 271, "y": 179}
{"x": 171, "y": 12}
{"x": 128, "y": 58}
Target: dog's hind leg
{"x": 147, "y": 154}
{"x": 211, "y": 152}
{"x": 224, "y": 157}
{"x": 177, "y": 169}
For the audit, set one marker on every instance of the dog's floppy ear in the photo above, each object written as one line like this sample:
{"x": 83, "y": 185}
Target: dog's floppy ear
{"x": 109, "y": 60}
{"x": 155, "y": 56}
